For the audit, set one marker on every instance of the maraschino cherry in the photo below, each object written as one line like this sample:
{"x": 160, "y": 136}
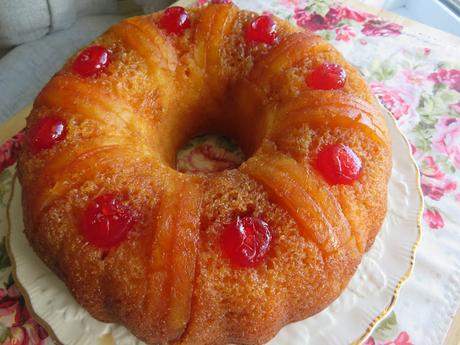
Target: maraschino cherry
{"x": 91, "y": 61}
{"x": 263, "y": 29}
{"x": 107, "y": 221}
{"x": 175, "y": 20}
{"x": 327, "y": 77}
{"x": 46, "y": 133}
{"x": 246, "y": 241}
{"x": 339, "y": 164}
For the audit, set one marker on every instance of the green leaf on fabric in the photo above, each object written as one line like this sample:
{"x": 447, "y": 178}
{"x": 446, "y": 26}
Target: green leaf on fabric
{"x": 424, "y": 137}
{"x": 429, "y": 119}
{"x": 5, "y": 176}
{"x": 442, "y": 65}
{"x": 422, "y": 144}
{"x": 445, "y": 164}
{"x": 439, "y": 87}
{"x": 328, "y": 35}
{"x": 381, "y": 71}
{"x": 10, "y": 281}
{"x": 5, "y": 333}
{"x": 426, "y": 105}
{"x": 5, "y": 185}
{"x": 4, "y": 259}
{"x": 453, "y": 113}
{"x": 448, "y": 65}
{"x": 320, "y": 7}
{"x": 448, "y": 96}
{"x": 431, "y": 107}
{"x": 412, "y": 55}
{"x": 387, "y": 329}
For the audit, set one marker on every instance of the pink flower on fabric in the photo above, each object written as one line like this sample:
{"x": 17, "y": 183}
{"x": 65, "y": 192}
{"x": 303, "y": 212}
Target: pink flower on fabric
{"x": 447, "y": 139}
{"x": 344, "y": 33}
{"x": 426, "y": 51}
{"x": 370, "y": 341}
{"x": 6, "y": 155}
{"x": 391, "y": 99}
{"x": 36, "y": 332}
{"x": 22, "y": 314}
{"x": 433, "y": 219}
{"x": 9, "y": 151}
{"x": 288, "y": 3}
{"x": 402, "y": 339}
{"x": 358, "y": 16}
{"x": 26, "y": 335}
{"x": 431, "y": 169}
{"x": 9, "y": 299}
{"x": 316, "y": 22}
{"x": 14, "y": 315}
{"x": 414, "y": 77}
{"x": 450, "y": 77}
{"x": 378, "y": 27}
{"x": 435, "y": 189}
{"x": 204, "y": 2}
{"x": 455, "y": 107}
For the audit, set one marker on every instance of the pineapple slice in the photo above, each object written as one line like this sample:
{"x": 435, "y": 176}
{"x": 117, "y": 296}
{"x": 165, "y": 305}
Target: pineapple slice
{"x": 216, "y": 23}
{"x": 313, "y": 206}
{"x": 327, "y": 110}
{"x": 89, "y": 100}
{"x": 68, "y": 175}
{"x": 287, "y": 54}
{"x": 149, "y": 42}
{"x": 174, "y": 251}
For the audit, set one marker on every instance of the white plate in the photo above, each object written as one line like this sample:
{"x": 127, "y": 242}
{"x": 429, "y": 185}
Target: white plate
{"x": 369, "y": 297}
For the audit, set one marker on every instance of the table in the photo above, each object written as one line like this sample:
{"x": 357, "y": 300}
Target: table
{"x": 415, "y": 72}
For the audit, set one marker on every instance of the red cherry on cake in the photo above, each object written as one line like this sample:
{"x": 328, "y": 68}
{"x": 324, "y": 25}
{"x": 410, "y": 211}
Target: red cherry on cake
{"x": 246, "y": 241}
{"x": 263, "y": 29}
{"x": 107, "y": 221}
{"x": 47, "y": 132}
{"x": 327, "y": 77}
{"x": 175, "y": 20}
{"x": 91, "y": 61}
{"x": 339, "y": 164}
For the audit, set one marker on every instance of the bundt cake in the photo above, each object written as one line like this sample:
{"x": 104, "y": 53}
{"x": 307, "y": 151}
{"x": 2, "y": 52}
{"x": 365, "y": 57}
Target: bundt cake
{"x": 210, "y": 258}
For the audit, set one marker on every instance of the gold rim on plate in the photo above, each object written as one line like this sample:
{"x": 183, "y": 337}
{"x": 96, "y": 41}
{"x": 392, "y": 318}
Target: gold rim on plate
{"x": 403, "y": 279}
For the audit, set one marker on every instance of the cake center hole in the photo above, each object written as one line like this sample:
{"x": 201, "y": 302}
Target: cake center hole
{"x": 209, "y": 154}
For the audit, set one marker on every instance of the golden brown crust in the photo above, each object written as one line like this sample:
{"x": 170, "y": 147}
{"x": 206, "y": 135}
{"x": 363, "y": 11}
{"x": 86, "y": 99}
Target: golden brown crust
{"x": 168, "y": 282}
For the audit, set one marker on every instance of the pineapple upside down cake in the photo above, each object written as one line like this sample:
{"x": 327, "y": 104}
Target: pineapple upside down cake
{"x": 216, "y": 258}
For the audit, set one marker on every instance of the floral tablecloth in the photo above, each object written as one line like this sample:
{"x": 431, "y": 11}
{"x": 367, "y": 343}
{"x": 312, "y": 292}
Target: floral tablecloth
{"x": 417, "y": 77}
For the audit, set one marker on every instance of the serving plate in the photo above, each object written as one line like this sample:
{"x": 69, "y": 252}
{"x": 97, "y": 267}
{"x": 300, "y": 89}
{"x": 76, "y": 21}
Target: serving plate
{"x": 369, "y": 297}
